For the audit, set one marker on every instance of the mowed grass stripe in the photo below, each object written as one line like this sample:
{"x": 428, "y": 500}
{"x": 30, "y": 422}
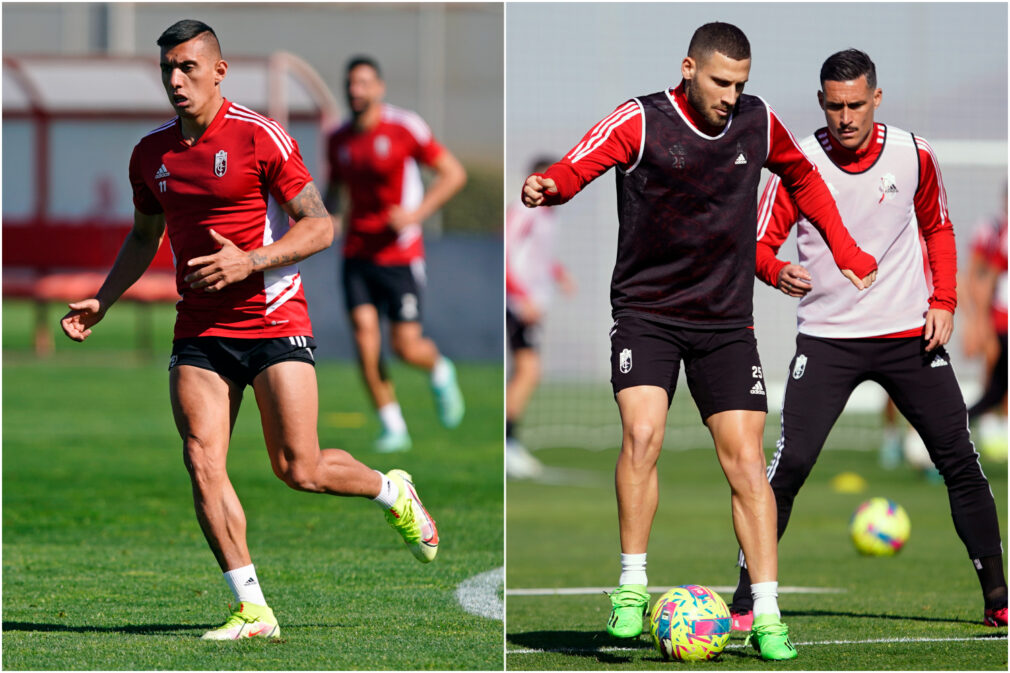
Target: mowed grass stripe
{"x": 735, "y": 646}
{"x": 105, "y": 568}
{"x": 919, "y": 610}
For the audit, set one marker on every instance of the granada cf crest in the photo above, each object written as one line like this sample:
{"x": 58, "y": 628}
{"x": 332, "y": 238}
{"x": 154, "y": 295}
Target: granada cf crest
{"x": 800, "y": 366}
{"x": 220, "y": 163}
{"x": 625, "y": 361}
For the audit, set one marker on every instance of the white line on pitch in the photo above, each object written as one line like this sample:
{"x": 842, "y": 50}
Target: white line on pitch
{"x": 478, "y": 595}
{"x": 581, "y": 591}
{"x": 735, "y": 646}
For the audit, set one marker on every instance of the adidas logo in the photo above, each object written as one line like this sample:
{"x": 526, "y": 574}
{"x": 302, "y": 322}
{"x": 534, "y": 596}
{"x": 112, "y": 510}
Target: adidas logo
{"x": 740, "y": 160}
{"x": 162, "y": 173}
{"x": 250, "y": 582}
{"x": 938, "y": 362}
{"x": 757, "y": 389}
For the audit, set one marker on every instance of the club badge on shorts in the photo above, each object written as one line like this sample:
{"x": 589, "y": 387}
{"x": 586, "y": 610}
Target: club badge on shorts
{"x": 800, "y": 366}
{"x": 625, "y": 363}
{"x": 220, "y": 163}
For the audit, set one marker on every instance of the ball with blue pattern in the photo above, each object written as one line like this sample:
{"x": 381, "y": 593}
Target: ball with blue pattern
{"x": 690, "y": 623}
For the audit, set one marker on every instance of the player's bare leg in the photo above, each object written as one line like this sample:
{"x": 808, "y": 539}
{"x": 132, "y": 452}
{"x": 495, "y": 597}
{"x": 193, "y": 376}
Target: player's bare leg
{"x": 410, "y": 344}
{"x": 287, "y": 397}
{"x": 368, "y": 339}
{"x": 519, "y": 462}
{"x": 524, "y": 380}
{"x": 738, "y": 441}
{"x": 205, "y": 406}
{"x": 643, "y": 420}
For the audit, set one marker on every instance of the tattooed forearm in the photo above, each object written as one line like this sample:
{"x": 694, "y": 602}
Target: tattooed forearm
{"x": 261, "y": 261}
{"x": 308, "y": 203}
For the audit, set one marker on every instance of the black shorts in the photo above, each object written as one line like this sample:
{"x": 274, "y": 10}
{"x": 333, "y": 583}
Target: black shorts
{"x": 240, "y": 360}
{"x": 395, "y": 291}
{"x": 520, "y": 334}
{"x": 723, "y": 369}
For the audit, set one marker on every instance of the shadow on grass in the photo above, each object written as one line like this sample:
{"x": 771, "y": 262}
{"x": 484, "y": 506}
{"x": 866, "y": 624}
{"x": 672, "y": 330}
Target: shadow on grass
{"x": 866, "y": 615}
{"x": 137, "y": 628}
{"x": 596, "y": 646}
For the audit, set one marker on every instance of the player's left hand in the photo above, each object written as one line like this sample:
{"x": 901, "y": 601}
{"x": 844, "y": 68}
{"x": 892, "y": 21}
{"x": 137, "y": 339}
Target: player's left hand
{"x": 400, "y": 218}
{"x": 939, "y": 327}
{"x": 215, "y": 272}
{"x": 860, "y": 283}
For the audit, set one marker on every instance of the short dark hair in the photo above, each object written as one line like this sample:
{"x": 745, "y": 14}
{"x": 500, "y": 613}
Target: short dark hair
{"x": 848, "y": 65}
{"x": 184, "y": 31}
{"x": 363, "y": 60}
{"x": 724, "y": 38}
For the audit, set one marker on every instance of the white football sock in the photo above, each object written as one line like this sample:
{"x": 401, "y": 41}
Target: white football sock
{"x": 441, "y": 374}
{"x": 633, "y": 569}
{"x": 765, "y": 595}
{"x": 244, "y": 585}
{"x": 392, "y": 418}
{"x": 388, "y": 493}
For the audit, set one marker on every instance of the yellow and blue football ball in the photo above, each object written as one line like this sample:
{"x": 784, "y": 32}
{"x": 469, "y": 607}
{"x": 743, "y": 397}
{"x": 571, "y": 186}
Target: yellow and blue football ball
{"x": 690, "y": 623}
{"x": 880, "y": 527}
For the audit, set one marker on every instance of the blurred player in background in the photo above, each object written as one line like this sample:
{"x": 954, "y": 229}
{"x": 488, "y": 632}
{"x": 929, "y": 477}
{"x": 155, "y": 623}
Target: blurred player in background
{"x": 375, "y": 156}
{"x": 531, "y": 272}
{"x": 222, "y": 181}
{"x": 889, "y": 191}
{"x": 986, "y": 328}
{"x": 689, "y": 160}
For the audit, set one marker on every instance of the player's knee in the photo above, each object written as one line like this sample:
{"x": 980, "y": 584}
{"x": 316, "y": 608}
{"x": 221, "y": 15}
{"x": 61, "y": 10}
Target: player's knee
{"x": 642, "y": 442}
{"x": 746, "y": 470}
{"x": 205, "y": 465}
{"x": 300, "y": 478}
{"x": 405, "y": 346}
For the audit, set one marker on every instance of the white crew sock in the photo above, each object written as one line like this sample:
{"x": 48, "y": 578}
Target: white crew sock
{"x": 392, "y": 418}
{"x": 765, "y": 596}
{"x": 388, "y": 493}
{"x": 441, "y": 373}
{"x": 244, "y": 585}
{"x": 633, "y": 569}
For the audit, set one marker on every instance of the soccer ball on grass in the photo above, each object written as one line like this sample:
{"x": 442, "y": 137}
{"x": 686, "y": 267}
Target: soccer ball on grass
{"x": 880, "y": 527}
{"x": 690, "y": 623}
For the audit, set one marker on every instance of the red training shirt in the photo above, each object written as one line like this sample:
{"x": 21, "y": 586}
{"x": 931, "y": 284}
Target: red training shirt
{"x": 233, "y": 179}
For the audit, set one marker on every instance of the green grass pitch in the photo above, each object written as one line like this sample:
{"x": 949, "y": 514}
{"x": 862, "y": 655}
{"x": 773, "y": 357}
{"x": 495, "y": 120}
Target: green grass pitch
{"x": 919, "y": 610}
{"x": 104, "y": 565}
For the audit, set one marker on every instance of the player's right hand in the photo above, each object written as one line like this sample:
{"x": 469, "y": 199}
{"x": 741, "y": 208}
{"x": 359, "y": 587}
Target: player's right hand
{"x": 82, "y": 317}
{"x": 794, "y": 280}
{"x": 860, "y": 283}
{"x": 529, "y": 312}
{"x": 535, "y": 189}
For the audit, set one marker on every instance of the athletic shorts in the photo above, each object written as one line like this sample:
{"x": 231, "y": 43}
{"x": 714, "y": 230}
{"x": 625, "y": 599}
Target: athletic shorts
{"x": 395, "y": 291}
{"x": 240, "y": 360}
{"x": 723, "y": 369}
{"x": 520, "y": 334}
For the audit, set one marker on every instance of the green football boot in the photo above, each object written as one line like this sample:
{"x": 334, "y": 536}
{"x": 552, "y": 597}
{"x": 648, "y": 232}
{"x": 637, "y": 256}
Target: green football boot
{"x": 630, "y": 603}
{"x": 393, "y": 442}
{"x": 770, "y": 637}
{"x": 248, "y": 621}
{"x": 449, "y": 400}
{"x": 411, "y": 520}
